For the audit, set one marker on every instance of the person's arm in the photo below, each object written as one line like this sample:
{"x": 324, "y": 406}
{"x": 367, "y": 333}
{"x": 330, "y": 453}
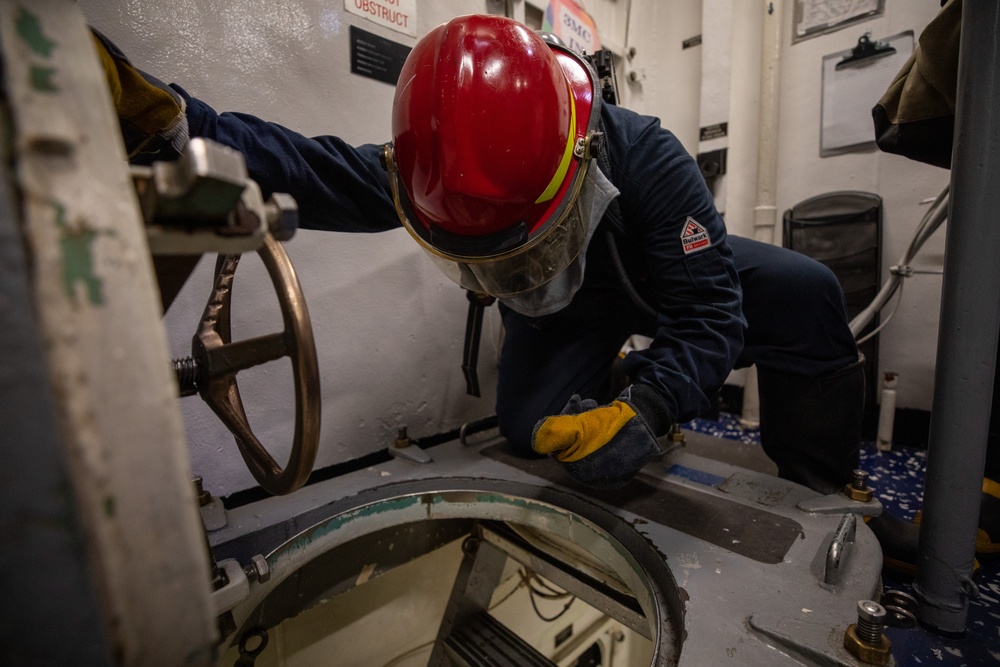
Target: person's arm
{"x": 338, "y": 187}
{"x": 695, "y": 287}
{"x": 670, "y": 218}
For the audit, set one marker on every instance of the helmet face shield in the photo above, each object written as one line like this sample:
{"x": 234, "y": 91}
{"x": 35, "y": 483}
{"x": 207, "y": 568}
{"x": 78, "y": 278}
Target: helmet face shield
{"x": 526, "y": 270}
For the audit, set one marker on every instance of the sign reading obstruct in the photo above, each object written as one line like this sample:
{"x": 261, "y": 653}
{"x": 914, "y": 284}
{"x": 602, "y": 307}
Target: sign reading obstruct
{"x": 572, "y": 24}
{"x": 399, "y": 15}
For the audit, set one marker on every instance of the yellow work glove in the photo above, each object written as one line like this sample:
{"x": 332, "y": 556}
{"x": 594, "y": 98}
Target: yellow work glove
{"x": 605, "y": 446}
{"x": 151, "y": 114}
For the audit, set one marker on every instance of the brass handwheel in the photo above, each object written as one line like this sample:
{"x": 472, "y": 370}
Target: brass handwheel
{"x": 218, "y": 360}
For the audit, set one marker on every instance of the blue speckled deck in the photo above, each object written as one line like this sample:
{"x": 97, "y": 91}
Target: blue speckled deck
{"x": 898, "y": 477}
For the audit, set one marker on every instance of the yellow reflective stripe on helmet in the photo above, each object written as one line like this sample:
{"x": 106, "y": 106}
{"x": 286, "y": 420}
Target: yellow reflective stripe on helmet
{"x": 557, "y": 178}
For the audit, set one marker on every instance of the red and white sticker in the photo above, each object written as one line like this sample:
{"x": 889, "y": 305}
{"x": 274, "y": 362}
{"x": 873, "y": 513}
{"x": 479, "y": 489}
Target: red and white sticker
{"x": 694, "y": 237}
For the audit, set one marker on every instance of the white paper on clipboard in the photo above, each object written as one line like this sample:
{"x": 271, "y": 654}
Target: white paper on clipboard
{"x": 850, "y": 93}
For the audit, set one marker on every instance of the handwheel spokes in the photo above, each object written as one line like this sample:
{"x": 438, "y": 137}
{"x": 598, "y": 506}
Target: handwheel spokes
{"x": 223, "y": 359}
{"x": 232, "y": 358}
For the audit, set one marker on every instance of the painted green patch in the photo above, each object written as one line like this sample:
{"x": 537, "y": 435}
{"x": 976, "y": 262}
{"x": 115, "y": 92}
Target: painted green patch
{"x": 524, "y": 504}
{"x": 109, "y": 506}
{"x": 76, "y": 246}
{"x": 29, "y": 28}
{"x": 41, "y": 79}
{"x": 337, "y": 522}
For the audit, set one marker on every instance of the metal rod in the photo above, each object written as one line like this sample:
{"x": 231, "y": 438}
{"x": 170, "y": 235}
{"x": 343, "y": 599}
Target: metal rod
{"x": 967, "y": 341}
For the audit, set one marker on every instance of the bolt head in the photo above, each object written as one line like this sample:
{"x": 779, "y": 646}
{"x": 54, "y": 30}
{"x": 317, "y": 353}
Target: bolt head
{"x": 258, "y": 569}
{"x": 282, "y": 216}
{"x": 871, "y": 611}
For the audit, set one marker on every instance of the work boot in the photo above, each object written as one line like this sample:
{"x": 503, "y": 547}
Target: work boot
{"x": 900, "y": 542}
{"x": 811, "y": 427}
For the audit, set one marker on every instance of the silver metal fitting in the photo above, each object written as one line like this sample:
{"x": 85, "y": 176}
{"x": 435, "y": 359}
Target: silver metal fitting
{"x": 282, "y": 216}
{"x": 204, "y": 184}
{"x": 871, "y": 621}
{"x": 257, "y": 569}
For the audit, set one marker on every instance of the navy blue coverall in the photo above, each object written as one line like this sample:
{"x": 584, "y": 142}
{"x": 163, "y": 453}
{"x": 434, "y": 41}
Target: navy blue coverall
{"x": 789, "y": 316}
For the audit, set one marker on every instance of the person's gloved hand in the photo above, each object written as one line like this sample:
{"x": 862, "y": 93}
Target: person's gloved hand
{"x": 605, "y": 446}
{"x": 151, "y": 113}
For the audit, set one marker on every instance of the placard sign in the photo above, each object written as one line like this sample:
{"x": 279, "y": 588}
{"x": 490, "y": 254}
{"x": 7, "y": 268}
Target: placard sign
{"x": 572, "y": 24}
{"x": 398, "y": 15}
{"x": 376, "y": 57}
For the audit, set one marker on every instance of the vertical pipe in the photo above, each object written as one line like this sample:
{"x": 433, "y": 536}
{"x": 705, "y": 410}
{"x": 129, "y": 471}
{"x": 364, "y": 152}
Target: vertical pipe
{"x": 967, "y": 341}
{"x": 765, "y": 211}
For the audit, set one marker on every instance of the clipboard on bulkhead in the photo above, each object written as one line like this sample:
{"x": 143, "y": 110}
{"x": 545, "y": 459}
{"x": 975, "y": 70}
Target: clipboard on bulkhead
{"x": 854, "y": 80}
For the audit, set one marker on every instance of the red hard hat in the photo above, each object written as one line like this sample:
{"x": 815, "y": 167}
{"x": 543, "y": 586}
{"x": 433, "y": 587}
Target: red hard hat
{"x": 490, "y": 127}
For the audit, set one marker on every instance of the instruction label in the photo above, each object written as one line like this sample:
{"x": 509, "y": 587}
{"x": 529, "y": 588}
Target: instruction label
{"x": 713, "y": 131}
{"x": 376, "y": 57}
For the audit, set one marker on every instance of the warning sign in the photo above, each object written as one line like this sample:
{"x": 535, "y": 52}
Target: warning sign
{"x": 399, "y": 15}
{"x": 694, "y": 237}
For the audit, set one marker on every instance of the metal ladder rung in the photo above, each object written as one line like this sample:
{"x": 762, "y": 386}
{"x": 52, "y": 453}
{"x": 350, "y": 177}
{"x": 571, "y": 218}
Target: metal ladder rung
{"x": 482, "y": 641}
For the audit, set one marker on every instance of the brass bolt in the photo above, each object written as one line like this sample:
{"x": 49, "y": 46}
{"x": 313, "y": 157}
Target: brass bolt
{"x": 858, "y": 489}
{"x": 204, "y": 497}
{"x": 402, "y": 439}
{"x": 865, "y": 639}
{"x": 676, "y": 435}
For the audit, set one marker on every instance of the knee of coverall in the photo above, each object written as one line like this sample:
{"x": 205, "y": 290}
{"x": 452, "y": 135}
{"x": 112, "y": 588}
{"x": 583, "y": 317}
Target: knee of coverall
{"x": 517, "y": 429}
{"x": 796, "y": 316}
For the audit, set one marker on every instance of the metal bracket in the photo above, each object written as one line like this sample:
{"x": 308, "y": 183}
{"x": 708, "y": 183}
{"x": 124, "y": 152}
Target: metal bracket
{"x": 410, "y": 453}
{"x": 403, "y": 448}
{"x": 205, "y": 202}
{"x": 235, "y": 591}
{"x": 837, "y": 551}
{"x": 838, "y": 503}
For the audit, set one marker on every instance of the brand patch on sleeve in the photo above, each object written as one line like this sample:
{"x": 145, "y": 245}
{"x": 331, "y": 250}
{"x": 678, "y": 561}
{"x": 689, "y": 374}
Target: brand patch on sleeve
{"x": 694, "y": 237}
